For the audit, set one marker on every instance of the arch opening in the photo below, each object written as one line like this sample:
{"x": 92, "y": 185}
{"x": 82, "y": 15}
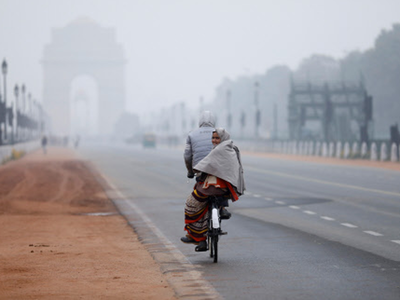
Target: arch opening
{"x": 84, "y": 103}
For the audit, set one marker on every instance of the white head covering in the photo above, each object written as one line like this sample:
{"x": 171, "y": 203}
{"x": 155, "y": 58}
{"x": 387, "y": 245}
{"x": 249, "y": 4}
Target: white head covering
{"x": 223, "y": 134}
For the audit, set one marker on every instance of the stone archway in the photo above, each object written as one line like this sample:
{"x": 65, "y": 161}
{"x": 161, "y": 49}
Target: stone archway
{"x": 83, "y": 47}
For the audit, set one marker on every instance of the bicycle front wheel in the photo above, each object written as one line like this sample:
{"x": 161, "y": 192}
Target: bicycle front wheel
{"x": 214, "y": 241}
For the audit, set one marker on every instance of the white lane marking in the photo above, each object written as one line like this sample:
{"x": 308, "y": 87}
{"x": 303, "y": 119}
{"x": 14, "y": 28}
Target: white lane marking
{"x": 247, "y": 193}
{"x": 373, "y": 233}
{"x": 309, "y": 212}
{"x": 349, "y": 225}
{"x": 324, "y": 182}
{"x": 294, "y": 207}
{"x": 327, "y": 218}
{"x": 256, "y": 195}
{"x": 268, "y": 199}
{"x": 396, "y": 241}
{"x": 280, "y": 202}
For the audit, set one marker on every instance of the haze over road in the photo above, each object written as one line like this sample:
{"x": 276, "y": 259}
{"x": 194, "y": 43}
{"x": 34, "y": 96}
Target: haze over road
{"x": 301, "y": 231}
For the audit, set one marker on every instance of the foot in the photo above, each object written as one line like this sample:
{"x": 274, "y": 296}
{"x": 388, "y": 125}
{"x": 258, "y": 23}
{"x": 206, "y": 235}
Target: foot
{"x": 189, "y": 240}
{"x": 224, "y": 214}
{"x": 201, "y": 247}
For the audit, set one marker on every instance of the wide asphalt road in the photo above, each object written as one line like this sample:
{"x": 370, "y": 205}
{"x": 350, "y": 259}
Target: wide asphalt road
{"x": 301, "y": 231}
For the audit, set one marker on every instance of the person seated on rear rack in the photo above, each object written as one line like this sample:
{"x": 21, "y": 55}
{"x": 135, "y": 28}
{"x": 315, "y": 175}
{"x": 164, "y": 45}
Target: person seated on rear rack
{"x": 222, "y": 175}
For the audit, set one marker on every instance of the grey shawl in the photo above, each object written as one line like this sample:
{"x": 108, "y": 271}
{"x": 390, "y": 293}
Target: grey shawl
{"x": 224, "y": 162}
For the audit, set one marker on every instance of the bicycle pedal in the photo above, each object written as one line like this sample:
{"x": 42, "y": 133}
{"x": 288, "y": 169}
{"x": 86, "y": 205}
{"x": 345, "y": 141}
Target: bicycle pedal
{"x": 223, "y": 233}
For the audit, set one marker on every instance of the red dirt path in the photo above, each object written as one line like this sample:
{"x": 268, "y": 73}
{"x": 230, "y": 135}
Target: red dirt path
{"x": 50, "y": 248}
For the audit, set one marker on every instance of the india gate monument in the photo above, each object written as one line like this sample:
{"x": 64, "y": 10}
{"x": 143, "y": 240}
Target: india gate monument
{"x": 83, "y": 79}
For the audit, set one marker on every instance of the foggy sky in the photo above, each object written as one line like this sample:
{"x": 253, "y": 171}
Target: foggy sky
{"x": 179, "y": 50}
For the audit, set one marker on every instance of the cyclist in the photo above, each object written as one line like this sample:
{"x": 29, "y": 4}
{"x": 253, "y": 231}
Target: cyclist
{"x": 198, "y": 145}
{"x": 221, "y": 175}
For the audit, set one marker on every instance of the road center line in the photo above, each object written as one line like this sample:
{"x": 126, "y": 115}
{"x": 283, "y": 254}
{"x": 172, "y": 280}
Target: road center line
{"x": 327, "y": 218}
{"x": 294, "y": 207}
{"x": 373, "y": 233}
{"x": 280, "y": 202}
{"x": 323, "y": 182}
{"x": 349, "y": 225}
{"x": 396, "y": 241}
{"x": 309, "y": 212}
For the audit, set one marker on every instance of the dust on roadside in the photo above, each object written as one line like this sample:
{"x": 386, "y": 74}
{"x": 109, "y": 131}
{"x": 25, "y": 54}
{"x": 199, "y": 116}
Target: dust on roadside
{"x": 62, "y": 238}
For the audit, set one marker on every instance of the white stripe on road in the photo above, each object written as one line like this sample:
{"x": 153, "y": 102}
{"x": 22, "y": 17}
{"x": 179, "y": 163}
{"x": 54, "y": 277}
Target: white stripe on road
{"x": 349, "y": 225}
{"x": 309, "y": 212}
{"x": 327, "y": 218}
{"x": 373, "y": 233}
{"x": 323, "y": 182}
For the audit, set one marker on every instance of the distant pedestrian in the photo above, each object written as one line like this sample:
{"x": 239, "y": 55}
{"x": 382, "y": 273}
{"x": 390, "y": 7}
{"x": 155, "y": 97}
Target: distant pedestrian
{"x": 76, "y": 142}
{"x": 44, "y": 143}
{"x": 65, "y": 141}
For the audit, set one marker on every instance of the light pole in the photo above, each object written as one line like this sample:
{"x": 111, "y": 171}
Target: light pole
{"x": 242, "y": 122}
{"x": 23, "y": 109}
{"x": 257, "y": 117}
{"x": 23, "y": 97}
{"x": 228, "y": 105}
{"x": 16, "y": 93}
{"x": 40, "y": 109}
{"x": 29, "y": 105}
{"x": 35, "y": 114}
{"x": 4, "y": 68}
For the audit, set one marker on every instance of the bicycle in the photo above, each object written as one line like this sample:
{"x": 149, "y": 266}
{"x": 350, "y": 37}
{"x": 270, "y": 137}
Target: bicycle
{"x": 214, "y": 226}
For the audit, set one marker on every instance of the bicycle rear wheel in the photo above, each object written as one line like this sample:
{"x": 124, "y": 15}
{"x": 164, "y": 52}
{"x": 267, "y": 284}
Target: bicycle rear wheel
{"x": 210, "y": 243}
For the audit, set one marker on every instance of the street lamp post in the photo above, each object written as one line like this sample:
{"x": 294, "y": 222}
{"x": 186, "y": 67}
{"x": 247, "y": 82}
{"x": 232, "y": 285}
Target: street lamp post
{"x": 16, "y": 93}
{"x": 4, "y": 68}
{"x": 35, "y": 115}
{"x": 242, "y": 123}
{"x": 29, "y": 103}
{"x": 228, "y": 105}
{"x": 29, "y": 107}
{"x": 23, "y": 97}
{"x": 23, "y": 109}
{"x": 257, "y": 116}
{"x": 40, "y": 118}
